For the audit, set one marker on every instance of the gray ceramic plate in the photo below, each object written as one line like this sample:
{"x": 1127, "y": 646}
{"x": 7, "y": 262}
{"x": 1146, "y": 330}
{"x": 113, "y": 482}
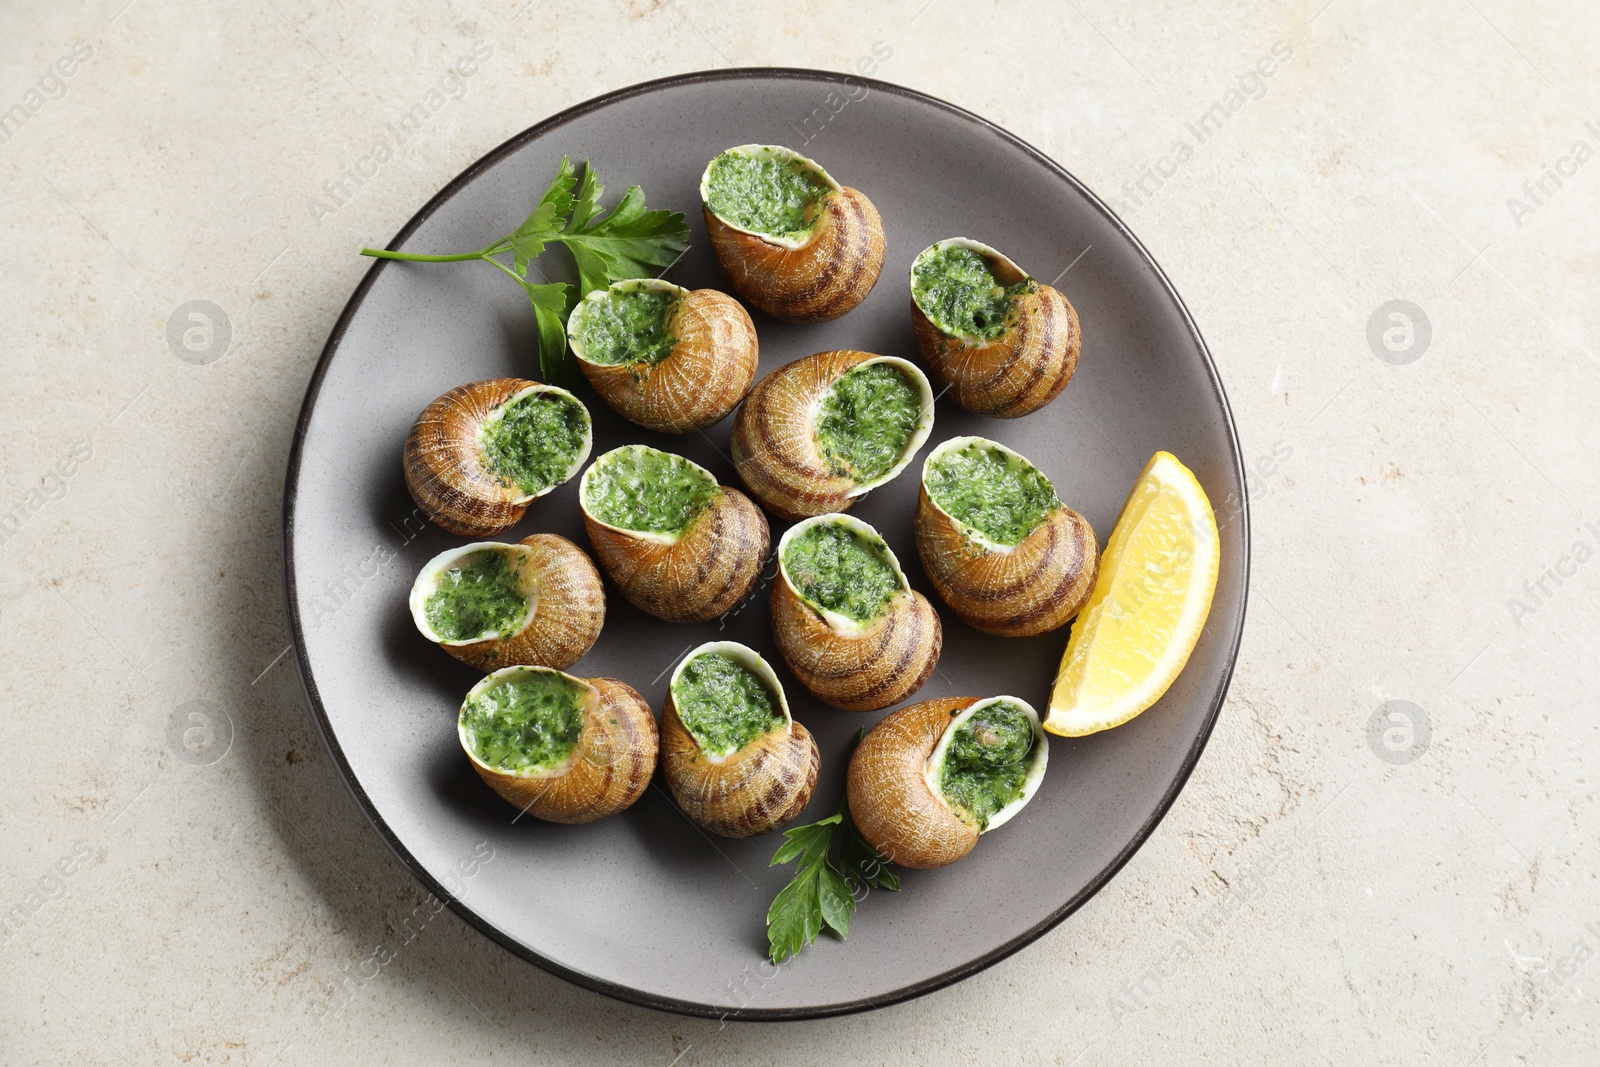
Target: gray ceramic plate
{"x": 643, "y": 906}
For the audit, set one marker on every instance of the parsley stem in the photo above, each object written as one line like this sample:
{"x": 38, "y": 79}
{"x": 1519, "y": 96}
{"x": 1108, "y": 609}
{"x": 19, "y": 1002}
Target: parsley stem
{"x": 419, "y": 257}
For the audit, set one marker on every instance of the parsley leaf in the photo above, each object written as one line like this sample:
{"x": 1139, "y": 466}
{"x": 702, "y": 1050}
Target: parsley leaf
{"x": 624, "y": 244}
{"x": 545, "y": 222}
{"x": 551, "y": 305}
{"x": 822, "y": 893}
{"x": 811, "y": 841}
{"x": 630, "y": 242}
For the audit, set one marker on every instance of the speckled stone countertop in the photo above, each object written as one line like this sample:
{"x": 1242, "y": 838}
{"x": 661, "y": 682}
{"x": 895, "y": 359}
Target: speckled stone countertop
{"x": 1380, "y": 216}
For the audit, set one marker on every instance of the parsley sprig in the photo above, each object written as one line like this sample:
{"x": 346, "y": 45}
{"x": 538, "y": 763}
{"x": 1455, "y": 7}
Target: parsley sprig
{"x": 823, "y": 893}
{"x": 629, "y": 242}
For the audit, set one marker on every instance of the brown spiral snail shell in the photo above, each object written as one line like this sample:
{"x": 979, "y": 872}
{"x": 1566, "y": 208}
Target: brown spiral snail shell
{"x": 479, "y": 454}
{"x": 684, "y": 371}
{"x": 906, "y": 802}
{"x": 817, "y": 433}
{"x": 1012, "y": 560}
{"x": 734, "y": 783}
{"x": 538, "y": 602}
{"x": 560, "y": 748}
{"x": 812, "y": 262}
{"x": 1004, "y": 343}
{"x": 845, "y": 619}
{"x": 676, "y": 544}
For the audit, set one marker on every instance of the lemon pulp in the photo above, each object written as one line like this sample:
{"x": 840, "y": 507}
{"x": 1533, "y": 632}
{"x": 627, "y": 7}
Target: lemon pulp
{"x": 1149, "y": 605}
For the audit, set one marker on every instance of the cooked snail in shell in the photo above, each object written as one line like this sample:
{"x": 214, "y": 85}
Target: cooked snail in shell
{"x": 817, "y": 433}
{"x": 998, "y": 544}
{"x": 794, "y": 242}
{"x": 846, "y": 621}
{"x": 1004, "y": 343}
{"x": 479, "y": 454}
{"x": 560, "y": 748}
{"x": 665, "y": 357}
{"x": 931, "y": 777}
{"x": 538, "y": 602}
{"x": 678, "y": 545}
{"x": 734, "y": 758}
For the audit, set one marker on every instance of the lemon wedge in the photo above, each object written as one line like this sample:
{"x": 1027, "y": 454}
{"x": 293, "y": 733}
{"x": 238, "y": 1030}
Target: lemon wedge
{"x": 1149, "y": 604}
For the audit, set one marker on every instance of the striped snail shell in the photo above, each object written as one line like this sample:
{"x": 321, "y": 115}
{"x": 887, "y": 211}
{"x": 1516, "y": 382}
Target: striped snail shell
{"x": 1012, "y": 583}
{"x": 1009, "y": 369}
{"x": 778, "y": 447}
{"x": 851, "y": 662}
{"x": 479, "y": 454}
{"x": 761, "y": 784}
{"x": 562, "y": 603}
{"x": 893, "y": 785}
{"x": 607, "y": 767}
{"x": 811, "y": 274}
{"x": 688, "y": 386}
{"x": 691, "y": 573}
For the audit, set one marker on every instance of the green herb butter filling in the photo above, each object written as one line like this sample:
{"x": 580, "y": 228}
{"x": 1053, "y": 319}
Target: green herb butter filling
{"x": 535, "y": 442}
{"x": 840, "y": 569}
{"x": 626, "y": 326}
{"x": 987, "y": 762}
{"x": 1000, "y": 495}
{"x": 723, "y": 704}
{"x": 525, "y": 723}
{"x": 646, "y": 490}
{"x": 867, "y": 419}
{"x": 478, "y": 596}
{"x": 956, "y": 289}
{"x": 774, "y": 197}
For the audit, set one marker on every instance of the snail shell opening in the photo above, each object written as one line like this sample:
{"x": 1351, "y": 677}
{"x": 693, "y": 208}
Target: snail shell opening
{"x": 840, "y": 624}
{"x": 1002, "y": 266}
{"x": 969, "y": 531}
{"x": 751, "y": 661}
{"x": 782, "y": 155}
{"x": 579, "y": 317}
{"x": 919, "y": 432}
{"x": 579, "y": 458}
{"x": 433, "y": 572}
{"x": 1039, "y": 758}
{"x": 617, "y": 455}
{"x": 591, "y": 695}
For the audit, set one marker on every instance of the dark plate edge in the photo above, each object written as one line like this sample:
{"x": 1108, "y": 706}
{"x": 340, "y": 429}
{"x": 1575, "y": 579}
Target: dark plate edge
{"x": 626, "y": 993}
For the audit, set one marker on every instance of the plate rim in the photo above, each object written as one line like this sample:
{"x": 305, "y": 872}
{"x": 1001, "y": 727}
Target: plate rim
{"x": 629, "y": 994}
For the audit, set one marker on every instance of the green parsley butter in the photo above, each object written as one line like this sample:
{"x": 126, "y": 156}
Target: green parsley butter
{"x": 839, "y": 569}
{"x": 534, "y": 443}
{"x": 525, "y": 723}
{"x": 774, "y": 197}
{"x": 646, "y": 490}
{"x": 480, "y": 595}
{"x": 958, "y": 292}
{"x": 1000, "y": 495}
{"x": 723, "y": 704}
{"x": 626, "y": 326}
{"x": 987, "y": 761}
{"x": 867, "y": 419}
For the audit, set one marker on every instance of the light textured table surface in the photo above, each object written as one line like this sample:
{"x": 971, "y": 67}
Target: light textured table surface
{"x": 1335, "y": 885}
